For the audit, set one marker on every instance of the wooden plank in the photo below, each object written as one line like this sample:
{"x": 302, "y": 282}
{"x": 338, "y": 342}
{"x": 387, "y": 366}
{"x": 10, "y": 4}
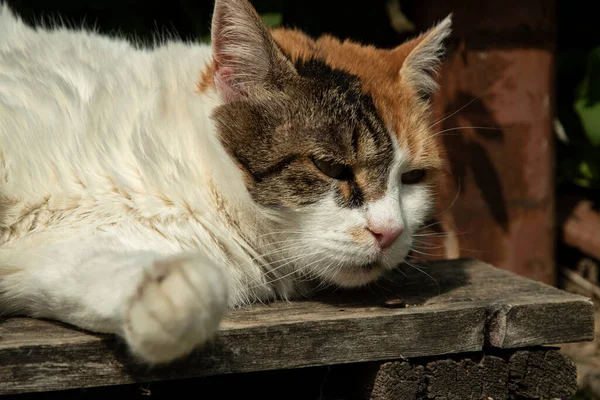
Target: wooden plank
{"x": 462, "y": 306}
{"x": 537, "y": 373}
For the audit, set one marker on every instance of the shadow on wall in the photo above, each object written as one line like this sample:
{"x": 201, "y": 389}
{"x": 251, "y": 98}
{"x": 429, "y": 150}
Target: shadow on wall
{"x": 466, "y": 155}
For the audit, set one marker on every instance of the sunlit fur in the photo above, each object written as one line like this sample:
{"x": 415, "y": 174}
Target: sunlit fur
{"x": 121, "y": 211}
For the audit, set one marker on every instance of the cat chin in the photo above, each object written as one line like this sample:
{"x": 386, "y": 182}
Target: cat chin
{"x": 357, "y": 276}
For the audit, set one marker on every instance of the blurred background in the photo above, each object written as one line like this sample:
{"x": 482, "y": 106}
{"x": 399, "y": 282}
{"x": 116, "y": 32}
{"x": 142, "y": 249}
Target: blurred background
{"x": 518, "y": 112}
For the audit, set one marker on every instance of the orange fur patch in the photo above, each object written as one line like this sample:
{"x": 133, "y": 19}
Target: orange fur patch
{"x": 360, "y": 234}
{"x": 362, "y": 181}
{"x": 207, "y": 80}
{"x": 345, "y": 190}
{"x": 379, "y": 73}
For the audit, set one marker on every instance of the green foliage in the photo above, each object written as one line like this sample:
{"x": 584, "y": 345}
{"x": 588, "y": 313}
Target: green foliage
{"x": 272, "y": 20}
{"x": 587, "y": 104}
{"x": 579, "y": 161}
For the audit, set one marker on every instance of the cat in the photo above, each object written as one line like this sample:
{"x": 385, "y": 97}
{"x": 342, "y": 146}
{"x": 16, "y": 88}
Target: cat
{"x": 146, "y": 192}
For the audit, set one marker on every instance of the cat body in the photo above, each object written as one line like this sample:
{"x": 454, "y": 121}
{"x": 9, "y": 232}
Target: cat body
{"x": 144, "y": 192}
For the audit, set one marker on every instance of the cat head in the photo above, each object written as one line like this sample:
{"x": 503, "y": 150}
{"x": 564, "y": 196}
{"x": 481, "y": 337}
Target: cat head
{"x": 332, "y": 136}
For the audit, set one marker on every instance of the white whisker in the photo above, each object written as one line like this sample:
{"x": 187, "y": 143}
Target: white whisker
{"x": 424, "y": 273}
{"x": 300, "y": 270}
{"x": 455, "y": 112}
{"x": 425, "y": 245}
{"x": 441, "y": 133}
{"x": 425, "y": 253}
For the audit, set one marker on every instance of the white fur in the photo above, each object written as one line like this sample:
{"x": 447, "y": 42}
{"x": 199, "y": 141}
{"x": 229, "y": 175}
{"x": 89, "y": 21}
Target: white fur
{"x": 108, "y": 166}
{"x": 117, "y": 199}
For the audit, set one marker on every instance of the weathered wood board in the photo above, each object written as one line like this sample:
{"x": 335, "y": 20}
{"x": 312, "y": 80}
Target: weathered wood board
{"x": 462, "y": 306}
{"x": 535, "y": 373}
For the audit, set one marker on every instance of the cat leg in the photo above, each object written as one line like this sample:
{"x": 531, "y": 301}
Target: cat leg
{"x": 163, "y": 305}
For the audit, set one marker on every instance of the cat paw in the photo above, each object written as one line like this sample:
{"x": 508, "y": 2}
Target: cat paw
{"x": 177, "y": 307}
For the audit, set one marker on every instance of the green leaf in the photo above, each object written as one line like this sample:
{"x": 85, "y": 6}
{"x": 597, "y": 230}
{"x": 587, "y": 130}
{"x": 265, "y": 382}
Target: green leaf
{"x": 590, "y": 119}
{"x": 587, "y": 105}
{"x": 272, "y": 20}
{"x": 578, "y": 164}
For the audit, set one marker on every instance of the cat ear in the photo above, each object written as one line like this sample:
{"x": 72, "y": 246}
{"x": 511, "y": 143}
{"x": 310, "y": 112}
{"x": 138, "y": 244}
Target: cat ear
{"x": 244, "y": 53}
{"x": 421, "y": 58}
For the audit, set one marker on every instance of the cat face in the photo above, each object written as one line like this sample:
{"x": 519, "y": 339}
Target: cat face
{"x": 333, "y": 137}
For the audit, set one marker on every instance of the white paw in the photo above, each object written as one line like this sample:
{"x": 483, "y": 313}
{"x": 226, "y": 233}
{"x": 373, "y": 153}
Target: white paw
{"x": 178, "y": 307}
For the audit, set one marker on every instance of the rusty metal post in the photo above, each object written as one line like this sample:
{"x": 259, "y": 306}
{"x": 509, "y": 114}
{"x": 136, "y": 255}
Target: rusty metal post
{"x": 500, "y": 185}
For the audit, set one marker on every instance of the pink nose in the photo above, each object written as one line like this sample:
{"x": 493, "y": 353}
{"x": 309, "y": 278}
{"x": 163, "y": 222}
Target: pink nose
{"x": 385, "y": 236}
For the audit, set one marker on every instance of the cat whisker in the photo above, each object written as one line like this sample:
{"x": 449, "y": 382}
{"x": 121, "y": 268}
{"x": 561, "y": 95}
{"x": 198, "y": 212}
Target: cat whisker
{"x": 431, "y": 235}
{"x": 403, "y": 273}
{"x": 456, "y": 112}
{"x": 419, "y": 239}
{"x": 266, "y": 243}
{"x": 442, "y": 133}
{"x": 268, "y": 264}
{"x": 293, "y": 272}
{"x": 280, "y": 232}
{"x": 425, "y": 253}
{"x": 289, "y": 260}
{"x": 441, "y": 234}
{"x": 387, "y": 278}
{"x": 332, "y": 270}
{"x": 290, "y": 244}
{"x": 424, "y": 273}
{"x": 324, "y": 283}
{"x": 424, "y": 246}
{"x": 268, "y": 271}
{"x": 458, "y": 189}
{"x": 471, "y": 250}
{"x": 430, "y": 225}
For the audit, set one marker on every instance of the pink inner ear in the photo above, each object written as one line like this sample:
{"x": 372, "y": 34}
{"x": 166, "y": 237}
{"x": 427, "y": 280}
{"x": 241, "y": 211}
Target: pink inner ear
{"x": 226, "y": 73}
{"x": 226, "y": 84}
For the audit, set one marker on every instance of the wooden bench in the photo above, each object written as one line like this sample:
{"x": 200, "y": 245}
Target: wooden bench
{"x": 463, "y": 330}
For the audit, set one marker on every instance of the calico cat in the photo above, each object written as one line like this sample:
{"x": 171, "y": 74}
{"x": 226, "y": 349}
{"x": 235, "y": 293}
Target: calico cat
{"x": 144, "y": 192}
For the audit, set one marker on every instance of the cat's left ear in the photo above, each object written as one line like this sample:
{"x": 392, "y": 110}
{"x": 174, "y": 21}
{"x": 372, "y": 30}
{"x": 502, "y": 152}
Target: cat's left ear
{"x": 421, "y": 56}
{"x": 245, "y": 55}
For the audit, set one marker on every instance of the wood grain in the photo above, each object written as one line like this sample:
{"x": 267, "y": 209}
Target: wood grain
{"x": 536, "y": 373}
{"x": 462, "y": 306}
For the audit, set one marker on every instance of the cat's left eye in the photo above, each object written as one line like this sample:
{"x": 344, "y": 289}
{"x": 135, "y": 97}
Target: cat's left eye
{"x": 333, "y": 170}
{"x": 413, "y": 177}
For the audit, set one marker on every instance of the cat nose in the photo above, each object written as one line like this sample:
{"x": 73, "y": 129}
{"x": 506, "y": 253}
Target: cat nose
{"x": 386, "y": 235}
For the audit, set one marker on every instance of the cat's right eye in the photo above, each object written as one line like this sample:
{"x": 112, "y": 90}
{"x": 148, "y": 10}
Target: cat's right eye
{"x": 333, "y": 170}
{"x": 414, "y": 176}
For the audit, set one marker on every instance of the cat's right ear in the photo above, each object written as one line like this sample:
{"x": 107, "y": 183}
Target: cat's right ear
{"x": 246, "y": 58}
{"x": 421, "y": 57}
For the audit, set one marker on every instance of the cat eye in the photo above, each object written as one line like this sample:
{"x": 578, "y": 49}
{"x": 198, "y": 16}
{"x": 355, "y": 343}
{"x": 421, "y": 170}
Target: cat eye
{"x": 413, "y": 177}
{"x": 333, "y": 170}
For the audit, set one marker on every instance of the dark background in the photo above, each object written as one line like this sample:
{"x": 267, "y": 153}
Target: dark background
{"x": 366, "y": 21}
